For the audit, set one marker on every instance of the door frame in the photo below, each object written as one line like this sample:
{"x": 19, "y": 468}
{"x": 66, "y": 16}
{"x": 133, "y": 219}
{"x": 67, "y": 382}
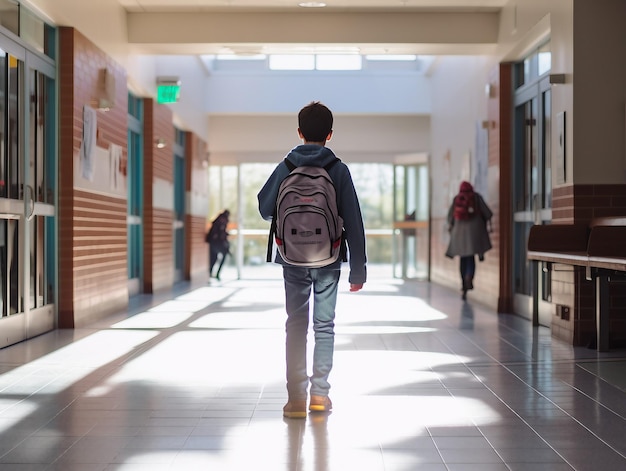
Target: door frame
{"x": 536, "y": 305}
{"x": 27, "y": 210}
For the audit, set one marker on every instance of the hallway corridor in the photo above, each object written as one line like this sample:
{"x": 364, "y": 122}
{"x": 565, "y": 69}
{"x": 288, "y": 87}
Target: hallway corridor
{"x": 194, "y": 380}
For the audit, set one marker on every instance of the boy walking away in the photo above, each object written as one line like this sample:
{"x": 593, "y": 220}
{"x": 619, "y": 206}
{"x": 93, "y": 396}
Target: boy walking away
{"x": 315, "y": 128}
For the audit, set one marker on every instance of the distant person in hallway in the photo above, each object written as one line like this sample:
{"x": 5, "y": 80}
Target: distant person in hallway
{"x": 315, "y": 128}
{"x": 217, "y": 238}
{"x": 468, "y": 218}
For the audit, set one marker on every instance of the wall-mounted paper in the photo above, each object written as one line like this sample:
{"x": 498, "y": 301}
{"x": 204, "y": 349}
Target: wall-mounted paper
{"x": 88, "y": 144}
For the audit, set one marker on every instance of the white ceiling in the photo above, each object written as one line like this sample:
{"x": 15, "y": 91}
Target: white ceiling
{"x": 426, "y": 27}
{"x": 188, "y": 27}
{"x": 145, "y": 6}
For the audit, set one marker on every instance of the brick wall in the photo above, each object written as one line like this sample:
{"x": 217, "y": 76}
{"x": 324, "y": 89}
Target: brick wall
{"x": 93, "y": 276}
{"x": 92, "y": 226}
{"x": 197, "y": 251}
{"x": 580, "y": 204}
{"x": 158, "y": 218}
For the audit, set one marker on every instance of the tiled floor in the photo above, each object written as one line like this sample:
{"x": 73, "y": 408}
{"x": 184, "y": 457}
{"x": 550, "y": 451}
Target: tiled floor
{"x": 422, "y": 381}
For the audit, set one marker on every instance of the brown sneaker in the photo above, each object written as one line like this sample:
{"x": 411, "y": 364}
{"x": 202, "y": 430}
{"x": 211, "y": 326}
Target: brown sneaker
{"x": 295, "y": 409}
{"x": 320, "y": 404}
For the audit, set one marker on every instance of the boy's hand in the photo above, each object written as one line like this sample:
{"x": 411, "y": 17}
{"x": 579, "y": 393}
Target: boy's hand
{"x": 355, "y": 287}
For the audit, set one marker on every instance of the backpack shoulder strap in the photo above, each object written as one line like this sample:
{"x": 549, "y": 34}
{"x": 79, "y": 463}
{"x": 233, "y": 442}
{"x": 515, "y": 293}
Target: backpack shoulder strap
{"x": 270, "y": 239}
{"x": 330, "y": 164}
{"x": 290, "y": 165}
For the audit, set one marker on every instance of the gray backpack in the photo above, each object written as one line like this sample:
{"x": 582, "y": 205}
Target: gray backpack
{"x": 306, "y": 226}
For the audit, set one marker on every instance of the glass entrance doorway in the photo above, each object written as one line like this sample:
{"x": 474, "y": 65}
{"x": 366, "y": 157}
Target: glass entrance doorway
{"x": 411, "y": 226}
{"x": 532, "y": 181}
{"x": 27, "y": 194}
{"x": 236, "y": 188}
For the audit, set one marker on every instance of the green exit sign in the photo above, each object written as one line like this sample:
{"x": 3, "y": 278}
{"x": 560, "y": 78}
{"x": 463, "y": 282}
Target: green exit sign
{"x": 168, "y": 93}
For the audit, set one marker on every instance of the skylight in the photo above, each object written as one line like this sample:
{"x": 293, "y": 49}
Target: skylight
{"x": 391, "y": 57}
{"x": 338, "y": 62}
{"x": 315, "y": 62}
{"x": 311, "y": 61}
{"x": 292, "y": 62}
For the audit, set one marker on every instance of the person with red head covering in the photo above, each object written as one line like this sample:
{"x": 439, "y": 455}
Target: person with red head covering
{"x": 468, "y": 216}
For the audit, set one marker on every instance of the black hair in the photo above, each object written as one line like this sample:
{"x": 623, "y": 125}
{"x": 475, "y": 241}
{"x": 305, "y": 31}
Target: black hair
{"x": 315, "y": 122}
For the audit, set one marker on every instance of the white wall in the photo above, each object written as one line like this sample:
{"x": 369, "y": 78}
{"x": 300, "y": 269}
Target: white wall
{"x": 102, "y": 22}
{"x": 267, "y": 138}
{"x": 599, "y": 84}
{"x": 190, "y": 112}
{"x": 344, "y": 92}
{"x": 523, "y": 27}
{"x": 459, "y": 102}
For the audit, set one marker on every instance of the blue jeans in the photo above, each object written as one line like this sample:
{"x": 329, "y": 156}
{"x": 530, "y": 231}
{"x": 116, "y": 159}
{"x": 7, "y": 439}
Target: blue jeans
{"x": 298, "y": 284}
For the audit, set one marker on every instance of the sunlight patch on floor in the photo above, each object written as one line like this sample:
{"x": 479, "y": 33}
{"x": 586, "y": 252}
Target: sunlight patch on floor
{"x": 378, "y": 308}
{"x": 206, "y": 294}
{"x": 223, "y": 357}
{"x": 153, "y": 320}
{"x": 273, "y": 319}
{"x": 382, "y": 329}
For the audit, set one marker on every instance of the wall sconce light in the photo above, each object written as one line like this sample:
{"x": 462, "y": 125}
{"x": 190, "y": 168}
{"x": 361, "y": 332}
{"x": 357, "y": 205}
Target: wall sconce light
{"x": 105, "y": 98}
{"x": 160, "y": 143}
{"x": 490, "y": 90}
{"x": 556, "y": 79}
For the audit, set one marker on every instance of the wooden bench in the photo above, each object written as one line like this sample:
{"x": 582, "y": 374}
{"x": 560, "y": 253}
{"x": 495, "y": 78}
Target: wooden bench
{"x": 599, "y": 247}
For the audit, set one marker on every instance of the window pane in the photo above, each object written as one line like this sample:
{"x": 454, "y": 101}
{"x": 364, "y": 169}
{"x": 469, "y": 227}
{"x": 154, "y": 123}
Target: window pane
{"x": 9, "y": 257}
{"x": 527, "y": 69}
{"x": 39, "y": 132}
{"x": 33, "y": 144}
{"x": 32, "y": 30}
{"x": 15, "y": 170}
{"x": 292, "y": 62}
{"x": 374, "y": 187}
{"x": 37, "y": 295}
{"x": 544, "y": 59}
{"x": 10, "y": 17}
{"x": 338, "y": 62}
{"x": 547, "y": 150}
{"x": 3, "y": 109}
{"x": 235, "y": 57}
{"x": 519, "y": 74}
{"x": 391, "y": 57}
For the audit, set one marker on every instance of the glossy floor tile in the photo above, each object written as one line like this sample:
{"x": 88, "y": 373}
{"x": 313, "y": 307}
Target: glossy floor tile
{"x": 193, "y": 379}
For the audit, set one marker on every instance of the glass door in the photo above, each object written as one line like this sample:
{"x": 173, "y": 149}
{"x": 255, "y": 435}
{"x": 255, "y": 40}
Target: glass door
{"x": 411, "y": 227}
{"x": 134, "y": 218}
{"x": 179, "y": 205}
{"x": 27, "y": 193}
{"x": 532, "y": 197}
{"x": 40, "y": 179}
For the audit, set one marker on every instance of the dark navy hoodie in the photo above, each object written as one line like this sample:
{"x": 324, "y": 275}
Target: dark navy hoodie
{"x": 349, "y": 208}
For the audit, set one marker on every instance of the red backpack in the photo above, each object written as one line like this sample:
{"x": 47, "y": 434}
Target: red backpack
{"x": 464, "y": 205}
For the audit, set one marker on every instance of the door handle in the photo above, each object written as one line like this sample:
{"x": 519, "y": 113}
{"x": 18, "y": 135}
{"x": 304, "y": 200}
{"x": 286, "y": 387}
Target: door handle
{"x": 536, "y": 209}
{"x": 30, "y": 195}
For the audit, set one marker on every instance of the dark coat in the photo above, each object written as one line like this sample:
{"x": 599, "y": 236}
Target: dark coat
{"x": 469, "y": 236}
{"x": 217, "y": 236}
